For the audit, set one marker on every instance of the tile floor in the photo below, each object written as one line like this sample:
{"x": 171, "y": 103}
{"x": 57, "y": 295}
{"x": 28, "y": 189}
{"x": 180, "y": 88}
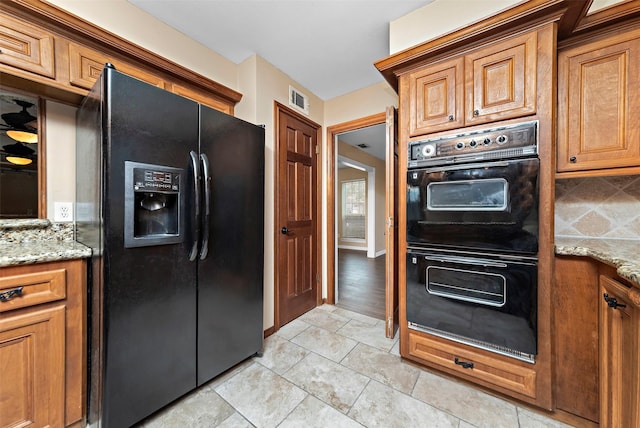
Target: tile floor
{"x": 334, "y": 368}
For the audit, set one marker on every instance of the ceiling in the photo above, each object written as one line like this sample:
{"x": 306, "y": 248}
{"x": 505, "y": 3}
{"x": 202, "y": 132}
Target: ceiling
{"x": 327, "y": 46}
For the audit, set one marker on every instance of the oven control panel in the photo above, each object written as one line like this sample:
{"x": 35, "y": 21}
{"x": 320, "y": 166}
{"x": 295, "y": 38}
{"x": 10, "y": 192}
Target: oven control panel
{"x": 506, "y": 142}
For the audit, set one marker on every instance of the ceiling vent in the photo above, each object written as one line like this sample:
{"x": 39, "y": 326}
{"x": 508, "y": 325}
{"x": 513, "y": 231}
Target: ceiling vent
{"x": 298, "y": 100}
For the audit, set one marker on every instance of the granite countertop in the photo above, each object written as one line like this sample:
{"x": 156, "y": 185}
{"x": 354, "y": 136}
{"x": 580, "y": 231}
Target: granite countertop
{"x": 623, "y": 254}
{"x": 38, "y": 241}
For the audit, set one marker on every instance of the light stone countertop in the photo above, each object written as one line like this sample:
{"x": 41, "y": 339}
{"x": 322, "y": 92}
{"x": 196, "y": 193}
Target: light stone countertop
{"x": 38, "y": 241}
{"x": 623, "y": 254}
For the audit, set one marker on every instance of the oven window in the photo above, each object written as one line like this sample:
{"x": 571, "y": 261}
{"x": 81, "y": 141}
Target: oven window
{"x": 478, "y": 287}
{"x": 464, "y": 195}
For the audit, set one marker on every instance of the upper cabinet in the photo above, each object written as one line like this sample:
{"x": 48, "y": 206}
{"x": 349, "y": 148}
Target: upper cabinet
{"x": 495, "y": 82}
{"x": 26, "y": 47}
{"x": 43, "y": 49}
{"x": 599, "y": 105}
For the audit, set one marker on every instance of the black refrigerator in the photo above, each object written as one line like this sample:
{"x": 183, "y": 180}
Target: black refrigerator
{"x": 170, "y": 197}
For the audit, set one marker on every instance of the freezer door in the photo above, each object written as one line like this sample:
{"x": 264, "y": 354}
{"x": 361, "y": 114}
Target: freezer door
{"x": 230, "y": 277}
{"x": 149, "y": 292}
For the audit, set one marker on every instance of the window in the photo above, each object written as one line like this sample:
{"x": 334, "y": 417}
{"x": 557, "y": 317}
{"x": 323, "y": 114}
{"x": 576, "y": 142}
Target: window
{"x": 354, "y": 203}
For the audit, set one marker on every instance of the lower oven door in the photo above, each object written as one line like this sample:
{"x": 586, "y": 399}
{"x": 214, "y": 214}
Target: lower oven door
{"x": 486, "y": 302}
{"x": 489, "y": 206}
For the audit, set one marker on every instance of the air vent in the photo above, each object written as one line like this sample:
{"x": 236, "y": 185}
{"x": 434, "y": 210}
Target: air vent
{"x": 298, "y": 100}
{"x": 363, "y": 146}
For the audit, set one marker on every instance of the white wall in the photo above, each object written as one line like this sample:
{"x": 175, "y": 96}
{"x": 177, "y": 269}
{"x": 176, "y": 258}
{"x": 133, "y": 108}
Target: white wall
{"x": 439, "y": 18}
{"x": 60, "y": 123}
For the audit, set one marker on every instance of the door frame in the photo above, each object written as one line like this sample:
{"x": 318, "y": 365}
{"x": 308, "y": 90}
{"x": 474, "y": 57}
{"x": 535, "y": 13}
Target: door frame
{"x": 332, "y": 132}
{"x": 277, "y": 109}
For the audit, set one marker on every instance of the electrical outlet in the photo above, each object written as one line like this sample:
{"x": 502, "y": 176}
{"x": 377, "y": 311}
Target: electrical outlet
{"x": 63, "y": 211}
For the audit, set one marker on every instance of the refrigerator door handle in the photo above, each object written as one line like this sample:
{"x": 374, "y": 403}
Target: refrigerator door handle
{"x": 196, "y": 221}
{"x": 204, "y": 249}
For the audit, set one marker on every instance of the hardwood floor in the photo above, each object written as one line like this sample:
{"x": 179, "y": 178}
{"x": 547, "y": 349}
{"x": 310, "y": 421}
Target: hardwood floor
{"x": 361, "y": 286}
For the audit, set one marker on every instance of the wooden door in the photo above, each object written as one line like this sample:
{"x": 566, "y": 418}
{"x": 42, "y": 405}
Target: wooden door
{"x": 501, "y": 80}
{"x": 436, "y": 98}
{"x": 391, "y": 233}
{"x": 296, "y": 216}
{"x": 619, "y": 360}
{"x": 599, "y": 106}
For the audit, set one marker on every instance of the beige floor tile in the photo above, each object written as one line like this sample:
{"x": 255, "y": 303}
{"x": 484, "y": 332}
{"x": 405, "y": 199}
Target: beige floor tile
{"x": 372, "y": 335}
{"x": 467, "y": 403}
{"x": 383, "y": 367}
{"x": 331, "y": 382}
{"x": 382, "y": 406}
{"x": 292, "y": 329}
{"x": 261, "y": 396}
{"x": 235, "y": 421}
{"x": 313, "y": 413}
{"x": 202, "y": 408}
{"x": 326, "y": 343}
{"x": 321, "y": 318}
{"x": 356, "y": 316}
{"x": 280, "y": 354}
{"x": 327, "y": 307}
{"x": 529, "y": 419}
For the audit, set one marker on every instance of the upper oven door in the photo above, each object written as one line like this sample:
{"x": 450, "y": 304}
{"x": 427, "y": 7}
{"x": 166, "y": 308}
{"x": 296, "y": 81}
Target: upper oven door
{"x": 488, "y": 206}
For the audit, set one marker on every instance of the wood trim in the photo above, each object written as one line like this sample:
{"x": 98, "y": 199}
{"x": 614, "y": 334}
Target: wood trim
{"x": 608, "y": 16}
{"x": 277, "y": 108}
{"x": 268, "y": 332}
{"x": 42, "y": 159}
{"x": 332, "y": 132}
{"x": 525, "y": 14}
{"x": 49, "y": 16}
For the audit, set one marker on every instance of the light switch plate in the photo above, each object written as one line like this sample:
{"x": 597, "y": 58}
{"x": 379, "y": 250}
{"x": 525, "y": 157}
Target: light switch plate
{"x": 63, "y": 211}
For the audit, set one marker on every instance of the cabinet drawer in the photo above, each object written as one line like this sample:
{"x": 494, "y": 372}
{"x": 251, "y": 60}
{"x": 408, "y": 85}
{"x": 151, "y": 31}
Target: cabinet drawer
{"x": 26, "y": 47}
{"x": 513, "y": 377}
{"x": 35, "y": 288}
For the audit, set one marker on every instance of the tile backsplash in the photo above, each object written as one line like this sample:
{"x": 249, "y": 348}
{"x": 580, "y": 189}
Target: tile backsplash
{"x": 599, "y": 207}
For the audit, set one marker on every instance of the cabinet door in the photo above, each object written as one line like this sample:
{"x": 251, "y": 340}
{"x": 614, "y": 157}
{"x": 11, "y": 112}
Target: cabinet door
{"x": 501, "y": 80}
{"x": 26, "y": 47}
{"x": 436, "y": 98}
{"x": 32, "y": 361}
{"x": 619, "y": 360}
{"x": 85, "y": 66}
{"x": 599, "y": 106}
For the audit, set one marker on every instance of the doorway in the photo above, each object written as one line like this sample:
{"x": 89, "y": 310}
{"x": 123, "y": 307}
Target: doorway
{"x": 356, "y": 277}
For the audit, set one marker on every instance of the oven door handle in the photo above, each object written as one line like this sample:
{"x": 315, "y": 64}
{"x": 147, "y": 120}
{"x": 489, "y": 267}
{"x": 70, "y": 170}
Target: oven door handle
{"x": 469, "y": 166}
{"x": 466, "y": 261}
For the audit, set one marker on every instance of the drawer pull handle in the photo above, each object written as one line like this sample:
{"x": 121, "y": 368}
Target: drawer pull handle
{"x": 10, "y": 294}
{"x": 613, "y": 302}
{"x": 464, "y": 364}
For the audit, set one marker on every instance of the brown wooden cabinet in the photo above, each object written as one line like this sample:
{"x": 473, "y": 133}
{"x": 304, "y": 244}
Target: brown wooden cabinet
{"x": 436, "y": 97}
{"x": 575, "y": 337}
{"x": 45, "y": 50}
{"x": 597, "y": 343}
{"x": 619, "y": 314}
{"x": 26, "y": 47}
{"x": 495, "y": 82}
{"x": 599, "y": 105}
{"x": 42, "y": 344}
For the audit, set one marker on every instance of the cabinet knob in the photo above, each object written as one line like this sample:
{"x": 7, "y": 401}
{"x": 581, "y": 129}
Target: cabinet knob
{"x": 451, "y": 117}
{"x": 476, "y": 112}
{"x": 573, "y": 159}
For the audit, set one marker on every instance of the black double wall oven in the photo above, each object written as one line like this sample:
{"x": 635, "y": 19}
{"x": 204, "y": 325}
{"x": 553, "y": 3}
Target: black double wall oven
{"x": 472, "y": 238}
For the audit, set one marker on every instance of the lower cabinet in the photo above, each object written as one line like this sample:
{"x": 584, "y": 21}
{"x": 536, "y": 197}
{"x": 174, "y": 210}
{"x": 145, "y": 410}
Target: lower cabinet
{"x": 619, "y": 315}
{"x": 597, "y": 343}
{"x": 43, "y": 345}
